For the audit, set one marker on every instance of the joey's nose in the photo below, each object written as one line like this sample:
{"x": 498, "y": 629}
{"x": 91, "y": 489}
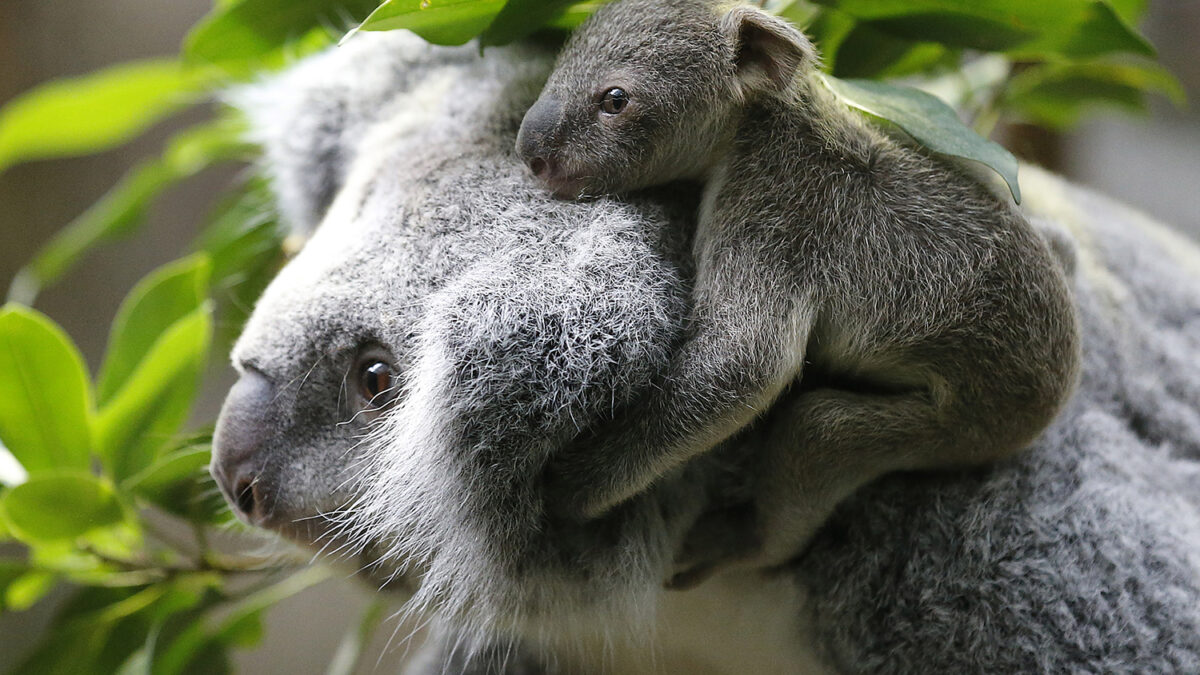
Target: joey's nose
{"x": 534, "y": 140}
{"x": 238, "y": 445}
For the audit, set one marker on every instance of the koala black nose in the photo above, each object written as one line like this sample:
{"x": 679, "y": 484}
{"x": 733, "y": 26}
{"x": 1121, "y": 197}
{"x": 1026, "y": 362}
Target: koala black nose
{"x": 242, "y": 430}
{"x": 537, "y": 134}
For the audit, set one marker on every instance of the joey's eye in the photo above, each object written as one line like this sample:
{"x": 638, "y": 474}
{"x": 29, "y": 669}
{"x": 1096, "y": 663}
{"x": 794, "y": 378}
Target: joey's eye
{"x": 614, "y": 101}
{"x": 375, "y": 382}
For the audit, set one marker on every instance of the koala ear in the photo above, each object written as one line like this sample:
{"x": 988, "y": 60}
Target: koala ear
{"x": 768, "y": 50}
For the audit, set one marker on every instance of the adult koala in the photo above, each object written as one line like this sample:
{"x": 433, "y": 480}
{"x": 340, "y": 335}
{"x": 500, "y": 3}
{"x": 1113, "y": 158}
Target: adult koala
{"x": 407, "y": 379}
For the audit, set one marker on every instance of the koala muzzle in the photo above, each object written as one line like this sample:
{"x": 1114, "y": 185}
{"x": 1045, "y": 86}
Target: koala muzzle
{"x": 536, "y": 138}
{"x": 238, "y": 453}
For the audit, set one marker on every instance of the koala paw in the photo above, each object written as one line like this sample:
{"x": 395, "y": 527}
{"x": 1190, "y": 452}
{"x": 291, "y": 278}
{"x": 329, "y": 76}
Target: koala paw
{"x": 718, "y": 540}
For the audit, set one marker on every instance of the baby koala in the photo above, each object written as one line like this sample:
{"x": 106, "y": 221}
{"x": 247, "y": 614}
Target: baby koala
{"x": 892, "y": 312}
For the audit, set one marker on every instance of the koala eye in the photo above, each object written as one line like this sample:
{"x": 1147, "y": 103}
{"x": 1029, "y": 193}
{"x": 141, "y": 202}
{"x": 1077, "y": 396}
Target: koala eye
{"x": 614, "y": 101}
{"x": 376, "y": 382}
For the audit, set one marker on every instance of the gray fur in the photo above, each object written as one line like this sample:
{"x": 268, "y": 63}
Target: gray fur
{"x": 1081, "y": 555}
{"x": 895, "y": 311}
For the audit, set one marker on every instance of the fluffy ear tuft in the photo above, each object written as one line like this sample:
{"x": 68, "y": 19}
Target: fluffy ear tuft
{"x": 768, "y": 50}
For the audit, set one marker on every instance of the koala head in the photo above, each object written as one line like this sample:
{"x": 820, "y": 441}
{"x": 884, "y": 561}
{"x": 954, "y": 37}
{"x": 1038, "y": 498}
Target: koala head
{"x": 409, "y": 376}
{"x": 648, "y": 91}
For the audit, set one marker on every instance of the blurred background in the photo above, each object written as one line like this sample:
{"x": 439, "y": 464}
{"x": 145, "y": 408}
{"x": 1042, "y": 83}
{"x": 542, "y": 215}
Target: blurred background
{"x": 1152, "y": 162}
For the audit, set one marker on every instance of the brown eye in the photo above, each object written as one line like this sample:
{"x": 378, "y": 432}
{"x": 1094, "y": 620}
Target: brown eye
{"x": 614, "y": 101}
{"x": 375, "y": 382}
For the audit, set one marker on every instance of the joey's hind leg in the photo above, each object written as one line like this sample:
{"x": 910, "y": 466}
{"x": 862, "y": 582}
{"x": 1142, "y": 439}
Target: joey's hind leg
{"x": 820, "y": 447}
{"x": 827, "y": 443}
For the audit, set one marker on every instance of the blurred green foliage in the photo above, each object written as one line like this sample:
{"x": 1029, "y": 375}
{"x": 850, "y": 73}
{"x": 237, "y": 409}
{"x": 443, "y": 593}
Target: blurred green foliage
{"x": 101, "y": 476}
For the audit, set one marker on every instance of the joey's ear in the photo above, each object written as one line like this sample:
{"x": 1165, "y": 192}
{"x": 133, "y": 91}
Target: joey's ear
{"x": 768, "y": 50}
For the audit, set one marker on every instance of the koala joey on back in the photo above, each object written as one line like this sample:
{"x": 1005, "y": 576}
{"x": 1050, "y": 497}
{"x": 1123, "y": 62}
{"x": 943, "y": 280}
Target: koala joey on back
{"x": 900, "y": 315}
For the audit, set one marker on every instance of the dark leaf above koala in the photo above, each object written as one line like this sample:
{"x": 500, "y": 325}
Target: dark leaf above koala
{"x": 929, "y": 121}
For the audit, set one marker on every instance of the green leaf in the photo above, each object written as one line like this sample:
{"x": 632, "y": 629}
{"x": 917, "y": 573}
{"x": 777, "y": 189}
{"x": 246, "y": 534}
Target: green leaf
{"x": 1099, "y": 30}
{"x": 60, "y": 507}
{"x": 122, "y": 211}
{"x": 181, "y": 609}
{"x": 929, "y": 121}
{"x": 868, "y": 52}
{"x": 10, "y": 572}
{"x": 179, "y": 483}
{"x": 44, "y": 393}
{"x": 94, "y": 634}
{"x": 1072, "y": 28}
{"x": 246, "y": 35}
{"x": 1057, "y": 95}
{"x": 800, "y": 12}
{"x": 520, "y": 18}
{"x": 193, "y": 641}
{"x": 24, "y": 591}
{"x": 138, "y": 663}
{"x": 574, "y": 15}
{"x": 1129, "y": 10}
{"x": 443, "y": 22}
{"x": 165, "y": 296}
{"x": 155, "y": 400}
{"x": 94, "y": 112}
{"x": 828, "y": 31}
{"x": 64, "y": 557}
{"x": 245, "y": 243}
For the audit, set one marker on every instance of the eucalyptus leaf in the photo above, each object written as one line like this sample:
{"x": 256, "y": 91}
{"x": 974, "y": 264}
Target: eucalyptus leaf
{"x": 867, "y": 52}
{"x": 1058, "y": 94}
{"x": 443, "y": 22}
{"x": 122, "y": 211}
{"x": 44, "y": 393}
{"x": 520, "y": 18}
{"x": 247, "y": 35}
{"x": 929, "y": 121}
{"x": 63, "y": 557}
{"x": 1072, "y": 28}
{"x": 93, "y": 112}
{"x": 179, "y": 483}
{"x": 10, "y": 571}
{"x": 800, "y": 12}
{"x": 181, "y": 610}
{"x": 575, "y": 14}
{"x": 165, "y": 296}
{"x": 138, "y": 663}
{"x": 155, "y": 400}
{"x": 828, "y": 31}
{"x": 245, "y": 243}
{"x": 1130, "y": 10}
{"x": 90, "y": 638}
{"x": 199, "y": 637}
{"x": 24, "y": 591}
{"x": 1097, "y": 31}
{"x": 60, "y": 507}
